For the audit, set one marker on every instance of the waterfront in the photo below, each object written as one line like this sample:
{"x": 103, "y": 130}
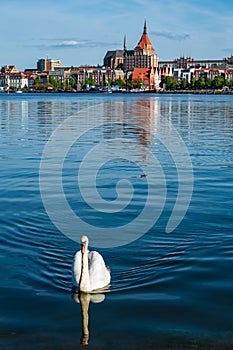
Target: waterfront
{"x": 169, "y": 290}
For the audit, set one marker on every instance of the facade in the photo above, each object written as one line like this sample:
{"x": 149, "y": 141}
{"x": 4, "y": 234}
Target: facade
{"x": 45, "y": 65}
{"x": 212, "y": 73}
{"x": 114, "y": 59}
{"x": 143, "y": 76}
{"x": 188, "y": 62}
{"x": 99, "y": 75}
{"x": 13, "y": 80}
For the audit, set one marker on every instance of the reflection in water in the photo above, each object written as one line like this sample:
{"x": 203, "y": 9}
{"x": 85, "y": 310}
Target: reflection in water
{"x": 84, "y": 300}
{"x": 178, "y": 290}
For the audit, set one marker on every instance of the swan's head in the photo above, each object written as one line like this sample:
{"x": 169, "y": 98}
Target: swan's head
{"x": 84, "y": 243}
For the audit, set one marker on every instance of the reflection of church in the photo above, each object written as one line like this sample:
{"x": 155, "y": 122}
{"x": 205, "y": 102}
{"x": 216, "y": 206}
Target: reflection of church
{"x": 142, "y": 62}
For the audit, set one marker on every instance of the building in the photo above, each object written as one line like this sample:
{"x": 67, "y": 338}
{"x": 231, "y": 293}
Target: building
{"x": 143, "y": 77}
{"x": 114, "y": 59}
{"x": 212, "y": 73}
{"x": 98, "y": 76}
{"x": 143, "y": 55}
{"x": 188, "y": 62}
{"x": 14, "y": 81}
{"x": 45, "y": 65}
{"x": 9, "y": 69}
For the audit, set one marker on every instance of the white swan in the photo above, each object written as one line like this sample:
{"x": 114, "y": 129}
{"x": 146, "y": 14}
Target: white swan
{"x": 89, "y": 271}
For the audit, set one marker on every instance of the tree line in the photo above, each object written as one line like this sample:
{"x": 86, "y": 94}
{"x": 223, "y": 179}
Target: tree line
{"x": 219, "y": 82}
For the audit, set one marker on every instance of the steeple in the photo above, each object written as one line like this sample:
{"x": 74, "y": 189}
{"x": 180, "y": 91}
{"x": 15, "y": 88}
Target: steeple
{"x": 145, "y": 29}
{"x": 125, "y": 42}
{"x": 144, "y": 42}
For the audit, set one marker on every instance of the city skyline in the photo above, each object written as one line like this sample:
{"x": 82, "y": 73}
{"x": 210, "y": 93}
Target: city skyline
{"x": 81, "y": 32}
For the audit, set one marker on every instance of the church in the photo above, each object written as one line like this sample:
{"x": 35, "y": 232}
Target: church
{"x": 141, "y": 63}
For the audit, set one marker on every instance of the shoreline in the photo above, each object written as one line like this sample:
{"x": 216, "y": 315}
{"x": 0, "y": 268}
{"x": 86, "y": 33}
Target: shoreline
{"x": 167, "y": 92}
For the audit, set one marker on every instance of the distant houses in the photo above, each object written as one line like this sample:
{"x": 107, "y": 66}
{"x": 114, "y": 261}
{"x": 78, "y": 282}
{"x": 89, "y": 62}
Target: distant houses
{"x": 10, "y": 76}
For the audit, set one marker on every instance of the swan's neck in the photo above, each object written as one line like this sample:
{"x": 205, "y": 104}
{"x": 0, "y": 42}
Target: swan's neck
{"x": 84, "y": 283}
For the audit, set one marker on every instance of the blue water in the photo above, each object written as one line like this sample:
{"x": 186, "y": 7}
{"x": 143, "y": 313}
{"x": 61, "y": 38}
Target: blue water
{"x": 169, "y": 290}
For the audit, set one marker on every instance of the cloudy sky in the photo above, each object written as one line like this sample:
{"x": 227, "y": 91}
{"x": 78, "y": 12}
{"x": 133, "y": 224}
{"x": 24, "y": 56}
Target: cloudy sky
{"x": 80, "y": 32}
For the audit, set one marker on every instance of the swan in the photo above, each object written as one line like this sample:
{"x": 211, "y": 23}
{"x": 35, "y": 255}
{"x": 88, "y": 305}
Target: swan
{"x": 89, "y": 271}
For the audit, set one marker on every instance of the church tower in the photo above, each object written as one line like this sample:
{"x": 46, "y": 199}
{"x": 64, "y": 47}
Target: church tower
{"x": 144, "y": 44}
{"x": 143, "y": 56}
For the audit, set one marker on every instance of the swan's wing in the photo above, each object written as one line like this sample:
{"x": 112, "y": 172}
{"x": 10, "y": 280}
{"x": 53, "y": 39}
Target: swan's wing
{"x": 76, "y": 268}
{"x": 99, "y": 274}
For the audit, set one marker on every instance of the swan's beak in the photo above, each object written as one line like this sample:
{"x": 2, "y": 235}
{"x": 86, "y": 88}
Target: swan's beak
{"x": 83, "y": 247}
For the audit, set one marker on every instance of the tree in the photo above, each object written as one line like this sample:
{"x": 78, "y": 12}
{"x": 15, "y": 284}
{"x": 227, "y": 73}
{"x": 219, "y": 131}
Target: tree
{"x": 71, "y": 83}
{"x": 37, "y": 81}
{"x": 53, "y": 82}
{"x": 110, "y": 82}
{"x": 231, "y": 83}
{"x": 184, "y": 84}
{"x": 200, "y": 84}
{"x": 140, "y": 84}
{"x": 170, "y": 83}
{"x": 60, "y": 85}
{"x": 119, "y": 82}
{"x": 192, "y": 83}
{"x": 218, "y": 82}
{"x": 208, "y": 83}
{"x": 89, "y": 81}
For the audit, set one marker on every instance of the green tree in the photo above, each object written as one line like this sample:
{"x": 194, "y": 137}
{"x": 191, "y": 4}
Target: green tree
{"x": 200, "y": 83}
{"x": 218, "y": 82}
{"x": 119, "y": 82}
{"x": 184, "y": 84}
{"x": 89, "y": 81}
{"x": 170, "y": 83}
{"x": 208, "y": 83}
{"x": 60, "y": 85}
{"x": 72, "y": 82}
{"x": 110, "y": 82}
{"x": 140, "y": 84}
{"x": 231, "y": 83}
{"x": 192, "y": 84}
{"x": 53, "y": 82}
{"x": 37, "y": 81}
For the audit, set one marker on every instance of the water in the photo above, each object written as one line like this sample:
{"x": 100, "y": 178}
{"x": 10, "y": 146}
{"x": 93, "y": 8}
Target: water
{"x": 169, "y": 290}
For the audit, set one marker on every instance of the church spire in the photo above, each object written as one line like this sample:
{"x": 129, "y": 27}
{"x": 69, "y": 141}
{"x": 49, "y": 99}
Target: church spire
{"x": 144, "y": 42}
{"x": 145, "y": 29}
{"x": 125, "y": 42}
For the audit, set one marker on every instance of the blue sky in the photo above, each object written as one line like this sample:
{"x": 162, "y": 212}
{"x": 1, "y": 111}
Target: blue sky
{"x": 80, "y": 32}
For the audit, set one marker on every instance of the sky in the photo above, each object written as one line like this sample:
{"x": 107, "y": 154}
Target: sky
{"x": 80, "y": 32}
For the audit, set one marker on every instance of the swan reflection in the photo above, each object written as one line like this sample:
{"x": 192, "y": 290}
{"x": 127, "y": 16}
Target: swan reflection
{"x": 84, "y": 300}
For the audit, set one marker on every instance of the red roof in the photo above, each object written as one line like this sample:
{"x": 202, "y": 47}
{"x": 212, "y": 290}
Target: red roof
{"x": 144, "y": 41}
